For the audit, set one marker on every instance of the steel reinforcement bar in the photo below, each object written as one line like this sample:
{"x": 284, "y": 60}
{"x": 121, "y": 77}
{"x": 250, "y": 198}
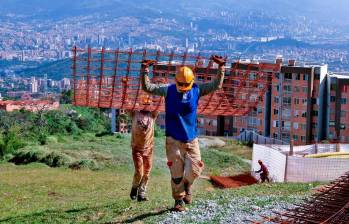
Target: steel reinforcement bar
{"x": 107, "y": 78}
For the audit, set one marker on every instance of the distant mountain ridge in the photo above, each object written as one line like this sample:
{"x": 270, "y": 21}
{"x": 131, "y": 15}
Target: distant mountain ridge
{"x": 313, "y": 9}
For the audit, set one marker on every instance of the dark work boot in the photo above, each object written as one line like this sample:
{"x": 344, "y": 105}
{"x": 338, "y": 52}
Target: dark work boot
{"x": 142, "y": 198}
{"x": 133, "y": 194}
{"x": 187, "y": 198}
{"x": 179, "y": 206}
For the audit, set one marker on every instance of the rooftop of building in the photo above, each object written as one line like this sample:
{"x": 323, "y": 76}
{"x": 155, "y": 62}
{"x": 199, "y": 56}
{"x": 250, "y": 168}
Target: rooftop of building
{"x": 340, "y": 75}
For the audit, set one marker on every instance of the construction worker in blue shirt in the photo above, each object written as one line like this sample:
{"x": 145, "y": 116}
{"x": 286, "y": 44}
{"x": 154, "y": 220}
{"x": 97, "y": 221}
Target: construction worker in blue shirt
{"x": 182, "y": 146}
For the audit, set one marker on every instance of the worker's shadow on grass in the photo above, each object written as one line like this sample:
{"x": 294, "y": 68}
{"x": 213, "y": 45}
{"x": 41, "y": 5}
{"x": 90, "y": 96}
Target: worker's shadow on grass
{"x": 146, "y": 215}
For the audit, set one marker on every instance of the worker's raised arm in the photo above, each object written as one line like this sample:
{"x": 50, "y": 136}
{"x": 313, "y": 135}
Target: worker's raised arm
{"x": 147, "y": 86}
{"x": 207, "y": 88}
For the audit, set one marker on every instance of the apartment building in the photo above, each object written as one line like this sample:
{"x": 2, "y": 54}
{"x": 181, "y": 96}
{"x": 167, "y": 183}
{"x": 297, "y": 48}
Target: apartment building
{"x": 295, "y": 106}
{"x": 337, "y": 111}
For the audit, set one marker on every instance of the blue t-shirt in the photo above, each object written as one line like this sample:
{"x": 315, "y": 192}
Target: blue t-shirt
{"x": 181, "y": 113}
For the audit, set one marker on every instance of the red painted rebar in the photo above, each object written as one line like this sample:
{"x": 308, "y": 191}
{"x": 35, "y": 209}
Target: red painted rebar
{"x": 110, "y": 78}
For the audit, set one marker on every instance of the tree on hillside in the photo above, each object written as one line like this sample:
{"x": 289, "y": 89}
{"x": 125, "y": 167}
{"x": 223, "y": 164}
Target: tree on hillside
{"x": 66, "y": 97}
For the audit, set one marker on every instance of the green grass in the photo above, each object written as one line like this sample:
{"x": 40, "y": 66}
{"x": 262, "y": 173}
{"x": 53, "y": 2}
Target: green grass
{"x": 37, "y": 193}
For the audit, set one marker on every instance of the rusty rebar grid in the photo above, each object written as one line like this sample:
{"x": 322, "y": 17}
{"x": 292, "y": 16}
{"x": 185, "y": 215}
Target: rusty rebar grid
{"x": 330, "y": 205}
{"x": 107, "y": 78}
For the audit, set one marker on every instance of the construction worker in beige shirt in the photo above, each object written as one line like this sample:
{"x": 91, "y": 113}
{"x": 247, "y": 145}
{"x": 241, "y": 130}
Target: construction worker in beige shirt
{"x": 142, "y": 143}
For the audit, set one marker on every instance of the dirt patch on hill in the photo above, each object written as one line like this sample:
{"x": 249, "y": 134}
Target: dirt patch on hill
{"x": 233, "y": 181}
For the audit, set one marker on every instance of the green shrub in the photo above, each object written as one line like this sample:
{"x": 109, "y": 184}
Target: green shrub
{"x": 85, "y": 163}
{"x": 56, "y": 159}
{"x": 26, "y": 156}
{"x": 51, "y": 139}
{"x": 10, "y": 141}
{"x": 50, "y": 158}
{"x": 42, "y": 138}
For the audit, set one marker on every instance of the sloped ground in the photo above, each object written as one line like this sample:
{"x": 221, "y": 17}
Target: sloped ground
{"x": 37, "y": 193}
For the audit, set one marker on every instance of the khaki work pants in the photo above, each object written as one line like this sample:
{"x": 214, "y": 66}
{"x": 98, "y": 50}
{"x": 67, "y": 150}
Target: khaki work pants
{"x": 143, "y": 161}
{"x": 184, "y": 162}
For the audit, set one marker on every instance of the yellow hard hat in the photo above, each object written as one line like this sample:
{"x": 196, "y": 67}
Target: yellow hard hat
{"x": 184, "y": 79}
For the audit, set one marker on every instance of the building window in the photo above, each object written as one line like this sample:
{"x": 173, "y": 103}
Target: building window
{"x": 315, "y": 113}
{"x": 296, "y": 113}
{"x": 296, "y": 101}
{"x": 295, "y": 125}
{"x": 276, "y": 99}
{"x": 276, "y": 111}
{"x": 295, "y": 137}
{"x": 287, "y": 88}
{"x": 288, "y": 76}
{"x": 275, "y": 124}
{"x": 314, "y": 124}
{"x": 304, "y": 127}
{"x": 286, "y": 113}
{"x": 303, "y": 138}
{"x": 342, "y": 126}
{"x": 305, "y": 77}
{"x": 333, "y": 87}
{"x": 333, "y": 99}
{"x": 332, "y": 123}
{"x": 343, "y": 113}
{"x": 286, "y": 125}
{"x": 305, "y": 89}
{"x": 286, "y": 136}
{"x": 343, "y": 101}
{"x": 304, "y": 101}
{"x": 296, "y": 89}
{"x": 275, "y": 135}
{"x": 287, "y": 100}
{"x": 314, "y": 101}
{"x": 304, "y": 114}
{"x": 297, "y": 76}
{"x": 317, "y": 76}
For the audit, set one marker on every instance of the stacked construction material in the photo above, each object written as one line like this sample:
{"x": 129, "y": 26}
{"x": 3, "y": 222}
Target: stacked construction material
{"x": 111, "y": 79}
{"x": 329, "y": 205}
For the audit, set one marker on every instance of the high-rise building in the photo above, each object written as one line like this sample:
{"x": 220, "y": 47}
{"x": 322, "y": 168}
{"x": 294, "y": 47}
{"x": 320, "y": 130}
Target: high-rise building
{"x": 34, "y": 85}
{"x": 337, "y": 111}
{"x": 296, "y": 104}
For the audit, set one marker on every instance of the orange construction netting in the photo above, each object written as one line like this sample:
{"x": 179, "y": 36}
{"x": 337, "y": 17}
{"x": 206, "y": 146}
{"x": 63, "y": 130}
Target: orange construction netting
{"x": 111, "y": 79}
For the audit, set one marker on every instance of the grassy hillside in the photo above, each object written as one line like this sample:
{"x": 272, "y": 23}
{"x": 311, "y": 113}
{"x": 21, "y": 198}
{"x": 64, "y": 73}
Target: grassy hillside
{"x": 55, "y": 70}
{"x": 37, "y": 193}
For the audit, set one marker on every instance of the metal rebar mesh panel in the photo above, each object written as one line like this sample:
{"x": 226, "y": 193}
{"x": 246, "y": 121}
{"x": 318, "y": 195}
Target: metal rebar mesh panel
{"x": 329, "y": 205}
{"x": 111, "y": 79}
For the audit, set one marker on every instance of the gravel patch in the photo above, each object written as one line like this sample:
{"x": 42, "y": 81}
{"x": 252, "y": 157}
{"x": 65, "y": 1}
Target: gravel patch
{"x": 231, "y": 210}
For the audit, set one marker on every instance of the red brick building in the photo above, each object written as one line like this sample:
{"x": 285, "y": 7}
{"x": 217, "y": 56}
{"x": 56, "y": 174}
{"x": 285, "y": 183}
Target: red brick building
{"x": 338, "y": 125}
{"x": 30, "y": 105}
